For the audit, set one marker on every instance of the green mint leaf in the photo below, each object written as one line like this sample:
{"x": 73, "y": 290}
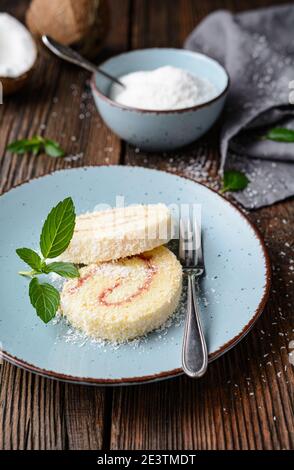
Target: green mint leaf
{"x": 58, "y": 229}
{"x": 53, "y": 149}
{"x": 19, "y": 146}
{"x": 45, "y": 299}
{"x": 35, "y": 140}
{"x": 35, "y": 145}
{"x": 280, "y": 134}
{"x": 31, "y": 258}
{"x": 25, "y": 145}
{"x": 234, "y": 180}
{"x": 67, "y": 270}
{"x": 55, "y": 237}
{"x": 16, "y": 145}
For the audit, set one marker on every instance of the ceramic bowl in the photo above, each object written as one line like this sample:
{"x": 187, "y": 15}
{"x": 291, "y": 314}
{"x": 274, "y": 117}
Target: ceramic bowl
{"x": 160, "y": 130}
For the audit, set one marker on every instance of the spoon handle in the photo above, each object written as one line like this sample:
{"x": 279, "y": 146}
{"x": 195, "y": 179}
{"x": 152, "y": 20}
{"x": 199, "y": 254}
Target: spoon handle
{"x": 70, "y": 55}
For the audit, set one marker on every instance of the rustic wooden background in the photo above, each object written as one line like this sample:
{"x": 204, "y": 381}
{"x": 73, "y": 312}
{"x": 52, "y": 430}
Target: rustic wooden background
{"x": 246, "y": 399}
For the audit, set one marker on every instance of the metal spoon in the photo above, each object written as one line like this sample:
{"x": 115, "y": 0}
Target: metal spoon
{"x": 70, "y": 55}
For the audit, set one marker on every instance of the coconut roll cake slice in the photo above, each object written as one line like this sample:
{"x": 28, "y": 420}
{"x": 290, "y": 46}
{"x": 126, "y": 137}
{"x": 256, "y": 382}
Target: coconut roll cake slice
{"x": 118, "y": 233}
{"x": 124, "y": 299}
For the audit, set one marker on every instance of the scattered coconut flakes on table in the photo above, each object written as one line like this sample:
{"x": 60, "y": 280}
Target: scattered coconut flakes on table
{"x": 74, "y": 157}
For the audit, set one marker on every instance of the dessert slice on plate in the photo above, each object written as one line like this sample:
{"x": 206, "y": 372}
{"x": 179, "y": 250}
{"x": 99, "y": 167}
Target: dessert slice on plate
{"x": 117, "y": 233}
{"x": 131, "y": 284}
{"x": 124, "y": 299}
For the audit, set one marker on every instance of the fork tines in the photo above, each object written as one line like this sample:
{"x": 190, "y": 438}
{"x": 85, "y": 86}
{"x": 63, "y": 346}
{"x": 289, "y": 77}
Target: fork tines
{"x": 190, "y": 247}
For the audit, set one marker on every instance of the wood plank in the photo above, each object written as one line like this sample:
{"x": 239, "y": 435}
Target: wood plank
{"x": 31, "y": 411}
{"x": 245, "y": 400}
{"x": 37, "y": 413}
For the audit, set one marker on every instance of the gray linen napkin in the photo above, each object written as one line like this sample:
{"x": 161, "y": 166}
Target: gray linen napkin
{"x": 257, "y": 49}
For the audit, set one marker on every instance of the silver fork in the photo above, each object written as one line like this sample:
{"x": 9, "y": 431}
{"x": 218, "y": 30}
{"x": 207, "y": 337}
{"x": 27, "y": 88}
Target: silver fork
{"x": 194, "y": 352}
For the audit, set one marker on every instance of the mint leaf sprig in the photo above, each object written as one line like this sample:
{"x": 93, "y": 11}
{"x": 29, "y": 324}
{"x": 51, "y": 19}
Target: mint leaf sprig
{"x": 55, "y": 237}
{"x": 280, "y": 134}
{"x": 35, "y": 145}
{"x": 234, "y": 180}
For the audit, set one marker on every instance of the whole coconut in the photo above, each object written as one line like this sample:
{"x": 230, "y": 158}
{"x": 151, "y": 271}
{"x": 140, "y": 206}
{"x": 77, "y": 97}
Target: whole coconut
{"x": 82, "y": 24}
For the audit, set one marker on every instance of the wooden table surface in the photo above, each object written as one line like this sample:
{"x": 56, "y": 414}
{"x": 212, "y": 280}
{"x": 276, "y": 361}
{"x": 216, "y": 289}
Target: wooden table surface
{"x": 245, "y": 401}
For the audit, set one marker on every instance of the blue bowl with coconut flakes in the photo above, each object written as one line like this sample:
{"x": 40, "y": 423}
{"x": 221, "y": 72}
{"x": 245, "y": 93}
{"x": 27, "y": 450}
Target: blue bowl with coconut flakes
{"x": 156, "y": 130}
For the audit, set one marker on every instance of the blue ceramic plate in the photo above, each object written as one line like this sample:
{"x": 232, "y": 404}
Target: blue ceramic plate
{"x": 234, "y": 290}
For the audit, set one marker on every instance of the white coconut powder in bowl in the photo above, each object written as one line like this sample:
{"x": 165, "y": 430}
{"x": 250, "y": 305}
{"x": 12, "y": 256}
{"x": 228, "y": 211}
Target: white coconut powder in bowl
{"x": 165, "y": 88}
{"x": 171, "y": 97}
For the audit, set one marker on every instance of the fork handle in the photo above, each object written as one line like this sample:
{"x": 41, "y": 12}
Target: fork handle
{"x": 194, "y": 353}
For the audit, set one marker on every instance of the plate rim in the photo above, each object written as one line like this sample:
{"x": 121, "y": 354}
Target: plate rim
{"x": 164, "y": 374}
